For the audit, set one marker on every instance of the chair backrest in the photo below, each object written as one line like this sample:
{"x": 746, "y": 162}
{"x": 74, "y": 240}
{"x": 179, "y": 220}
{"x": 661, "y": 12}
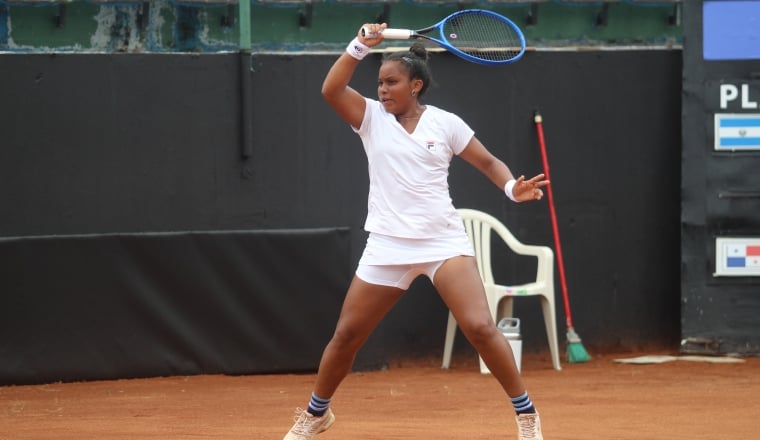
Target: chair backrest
{"x": 479, "y": 225}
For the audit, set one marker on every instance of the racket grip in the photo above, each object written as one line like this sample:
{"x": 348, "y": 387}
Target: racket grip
{"x": 393, "y": 34}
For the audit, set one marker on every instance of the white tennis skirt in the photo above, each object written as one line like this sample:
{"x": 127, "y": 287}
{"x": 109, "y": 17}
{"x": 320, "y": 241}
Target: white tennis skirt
{"x": 385, "y": 249}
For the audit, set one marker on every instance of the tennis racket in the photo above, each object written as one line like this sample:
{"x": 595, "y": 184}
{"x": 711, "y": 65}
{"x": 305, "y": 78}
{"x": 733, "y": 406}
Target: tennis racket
{"x": 476, "y": 35}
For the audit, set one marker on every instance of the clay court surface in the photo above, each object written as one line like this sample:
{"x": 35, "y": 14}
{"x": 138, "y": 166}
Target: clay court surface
{"x": 600, "y": 399}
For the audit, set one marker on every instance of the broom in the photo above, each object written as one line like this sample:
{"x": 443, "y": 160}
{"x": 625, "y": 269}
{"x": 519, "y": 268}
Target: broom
{"x": 576, "y": 353}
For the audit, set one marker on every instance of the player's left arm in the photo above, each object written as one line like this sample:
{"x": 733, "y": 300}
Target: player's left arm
{"x": 477, "y": 155}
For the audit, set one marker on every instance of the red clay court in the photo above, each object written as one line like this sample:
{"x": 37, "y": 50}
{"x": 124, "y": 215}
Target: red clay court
{"x": 601, "y": 399}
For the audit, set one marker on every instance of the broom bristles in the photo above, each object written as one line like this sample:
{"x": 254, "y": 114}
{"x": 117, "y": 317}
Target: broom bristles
{"x": 576, "y": 353}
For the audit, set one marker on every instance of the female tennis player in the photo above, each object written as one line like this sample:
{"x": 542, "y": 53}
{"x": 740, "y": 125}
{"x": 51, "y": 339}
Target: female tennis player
{"x": 413, "y": 226}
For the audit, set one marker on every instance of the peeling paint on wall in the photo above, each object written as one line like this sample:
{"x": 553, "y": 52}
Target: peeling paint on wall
{"x": 4, "y": 24}
{"x": 114, "y": 32}
{"x": 157, "y": 26}
{"x": 154, "y": 37}
{"x": 200, "y": 26}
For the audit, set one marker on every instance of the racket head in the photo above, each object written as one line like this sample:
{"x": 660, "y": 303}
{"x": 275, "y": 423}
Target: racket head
{"x": 480, "y": 36}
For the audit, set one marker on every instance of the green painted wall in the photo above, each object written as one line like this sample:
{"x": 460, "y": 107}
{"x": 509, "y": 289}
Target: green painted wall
{"x": 165, "y": 25}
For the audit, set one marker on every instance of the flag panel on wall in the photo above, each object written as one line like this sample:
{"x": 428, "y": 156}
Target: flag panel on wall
{"x": 737, "y": 256}
{"x": 737, "y": 131}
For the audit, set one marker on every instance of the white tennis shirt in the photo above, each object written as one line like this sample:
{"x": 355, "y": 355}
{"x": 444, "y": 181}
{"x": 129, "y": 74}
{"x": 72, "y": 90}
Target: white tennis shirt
{"x": 408, "y": 173}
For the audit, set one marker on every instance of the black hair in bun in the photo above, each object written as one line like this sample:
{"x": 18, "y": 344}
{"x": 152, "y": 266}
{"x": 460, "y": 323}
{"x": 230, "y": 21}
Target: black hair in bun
{"x": 415, "y": 60}
{"x": 418, "y": 50}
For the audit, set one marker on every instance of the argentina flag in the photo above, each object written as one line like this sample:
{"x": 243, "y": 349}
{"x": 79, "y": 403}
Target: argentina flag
{"x": 737, "y": 131}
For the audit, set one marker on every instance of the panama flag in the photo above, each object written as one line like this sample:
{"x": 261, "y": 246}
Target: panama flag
{"x": 737, "y": 256}
{"x": 737, "y": 131}
{"x": 742, "y": 255}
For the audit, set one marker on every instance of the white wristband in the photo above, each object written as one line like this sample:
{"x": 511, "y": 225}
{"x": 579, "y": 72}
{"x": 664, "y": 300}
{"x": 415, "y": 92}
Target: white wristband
{"x": 357, "y": 49}
{"x": 508, "y": 189}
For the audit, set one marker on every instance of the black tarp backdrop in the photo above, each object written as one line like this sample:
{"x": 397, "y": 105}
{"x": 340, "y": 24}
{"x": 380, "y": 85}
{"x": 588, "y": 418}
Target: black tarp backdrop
{"x": 114, "y": 306}
{"x": 126, "y": 144}
{"x": 719, "y": 314}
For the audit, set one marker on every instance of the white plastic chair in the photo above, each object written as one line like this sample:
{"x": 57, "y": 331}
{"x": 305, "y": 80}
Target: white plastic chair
{"x": 500, "y": 297}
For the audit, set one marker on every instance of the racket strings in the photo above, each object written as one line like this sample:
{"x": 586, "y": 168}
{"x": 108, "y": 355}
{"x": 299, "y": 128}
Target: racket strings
{"x": 483, "y": 36}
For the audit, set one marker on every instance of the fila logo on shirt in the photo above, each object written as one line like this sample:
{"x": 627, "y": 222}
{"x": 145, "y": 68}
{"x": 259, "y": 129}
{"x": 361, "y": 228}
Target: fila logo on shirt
{"x": 431, "y": 145}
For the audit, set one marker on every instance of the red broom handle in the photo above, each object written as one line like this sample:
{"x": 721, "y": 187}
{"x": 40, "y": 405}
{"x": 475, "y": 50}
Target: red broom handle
{"x": 544, "y": 159}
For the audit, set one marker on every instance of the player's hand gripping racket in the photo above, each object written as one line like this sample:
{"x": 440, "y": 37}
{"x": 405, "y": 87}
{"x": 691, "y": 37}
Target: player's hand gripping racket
{"x": 477, "y": 35}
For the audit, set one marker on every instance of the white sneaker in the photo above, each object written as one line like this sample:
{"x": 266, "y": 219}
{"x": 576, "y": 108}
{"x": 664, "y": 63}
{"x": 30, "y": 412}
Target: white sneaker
{"x": 529, "y": 427}
{"x": 307, "y": 425}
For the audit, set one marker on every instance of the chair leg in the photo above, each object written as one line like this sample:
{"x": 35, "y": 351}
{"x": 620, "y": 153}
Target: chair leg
{"x": 551, "y": 330}
{"x": 506, "y": 308}
{"x": 483, "y": 368}
{"x": 497, "y": 305}
{"x": 448, "y": 344}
